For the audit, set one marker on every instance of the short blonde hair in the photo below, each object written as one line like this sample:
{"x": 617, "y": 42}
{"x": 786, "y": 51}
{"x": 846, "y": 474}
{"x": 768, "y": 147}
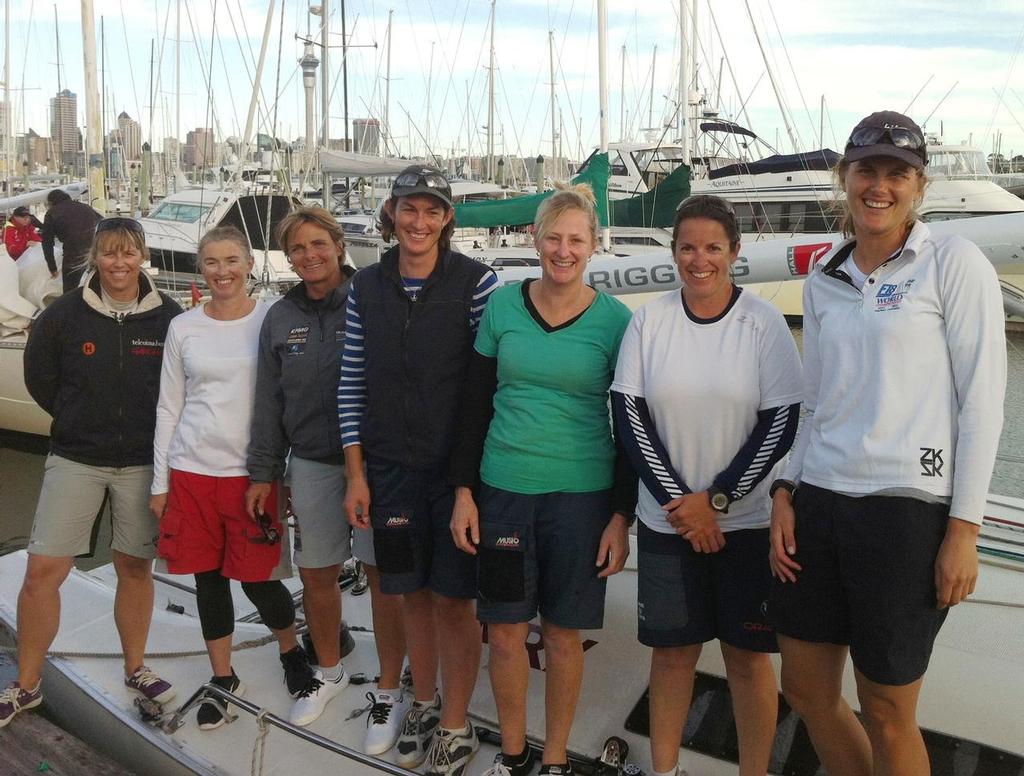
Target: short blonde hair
{"x": 566, "y": 197}
{"x": 310, "y": 215}
{"x": 117, "y": 239}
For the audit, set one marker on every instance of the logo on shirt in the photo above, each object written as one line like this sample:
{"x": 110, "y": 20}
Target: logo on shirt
{"x": 147, "y": 347}
{"x": 931, "y": 462}
{"x": 295, "y": 343}
{"x": 802, "y": 258}
{"x": 890, "y": 295}
{"x": 397, "y": 521}
{"x": 507, "y": 542}
{"x": 88, "y": 348}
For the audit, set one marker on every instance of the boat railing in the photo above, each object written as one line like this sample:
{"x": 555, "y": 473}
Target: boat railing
{"x": 212, "y": 693}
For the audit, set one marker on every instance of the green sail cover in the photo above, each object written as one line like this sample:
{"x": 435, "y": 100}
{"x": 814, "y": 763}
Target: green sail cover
{"x": 519, "y": 211}
{"x": 657, "y": 207}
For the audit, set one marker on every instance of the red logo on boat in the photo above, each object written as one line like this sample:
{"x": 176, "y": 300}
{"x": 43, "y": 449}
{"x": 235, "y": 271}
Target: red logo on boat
{"x": 803, "y": 257}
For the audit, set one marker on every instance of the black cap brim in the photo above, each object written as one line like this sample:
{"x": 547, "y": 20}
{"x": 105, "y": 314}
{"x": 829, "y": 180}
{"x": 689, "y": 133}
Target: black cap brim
{"x": 856, "y": 153}
{"x": 408, "y": 191}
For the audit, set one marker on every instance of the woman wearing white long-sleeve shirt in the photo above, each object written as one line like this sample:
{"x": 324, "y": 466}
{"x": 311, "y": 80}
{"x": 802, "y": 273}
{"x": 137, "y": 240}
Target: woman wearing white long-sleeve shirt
{"x": 875, "y": 519}
{"x": 207, "y": 388}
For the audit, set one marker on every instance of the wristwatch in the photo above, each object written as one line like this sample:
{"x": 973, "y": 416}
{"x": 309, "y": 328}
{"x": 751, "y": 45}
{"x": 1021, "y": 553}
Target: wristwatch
{"x": 787, "y": 485}
{"x": 719, "y": 500}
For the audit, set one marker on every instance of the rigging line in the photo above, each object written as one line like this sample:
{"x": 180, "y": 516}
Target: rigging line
{"x": 515, "y": 127}
{"x": 792, "y": 70}
{"x": 728, "y": 64}
{"x": 1007, "y": 107}
{"x": 448, "y": 64}
{"x": 131, "y": 70}
{"x": 1009, "y": 72}
{"x": 274, "y": 159}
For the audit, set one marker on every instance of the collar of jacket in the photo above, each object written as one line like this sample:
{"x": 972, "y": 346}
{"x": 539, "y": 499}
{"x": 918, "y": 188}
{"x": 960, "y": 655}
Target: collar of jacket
{"x": 298, "y": 295}
{"x": 389, "y": 266}
{"x": 149, "y": 297}
{"x": 919, "y": 234}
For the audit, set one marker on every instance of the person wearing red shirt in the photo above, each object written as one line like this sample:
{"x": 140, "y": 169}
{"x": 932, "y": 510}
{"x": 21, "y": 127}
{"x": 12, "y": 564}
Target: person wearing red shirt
{"x": 19, "y": 231}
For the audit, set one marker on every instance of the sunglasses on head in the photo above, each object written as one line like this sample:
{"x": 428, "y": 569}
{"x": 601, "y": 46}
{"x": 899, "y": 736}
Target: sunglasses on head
{"x": 119, "y": 222}
{"x": 705, "y": 202}
{"x": 432, "y": 180}
{"x": 901, "y": 137}
{"x": 268, "y": 533}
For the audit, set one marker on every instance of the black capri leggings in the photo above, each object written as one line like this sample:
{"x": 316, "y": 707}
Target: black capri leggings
{"x": 217, "y": 612}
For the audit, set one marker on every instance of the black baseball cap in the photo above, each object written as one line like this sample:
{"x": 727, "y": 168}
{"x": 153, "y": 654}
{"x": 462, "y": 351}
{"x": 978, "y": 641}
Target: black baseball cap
{"x": 887, "y": 133}
{"x": 21, "y": 211}
{"x": 422, "y": 179}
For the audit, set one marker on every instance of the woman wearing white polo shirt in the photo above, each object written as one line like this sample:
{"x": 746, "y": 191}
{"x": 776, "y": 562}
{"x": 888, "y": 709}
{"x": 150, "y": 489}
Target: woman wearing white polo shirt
{"x": 706, "y": 393}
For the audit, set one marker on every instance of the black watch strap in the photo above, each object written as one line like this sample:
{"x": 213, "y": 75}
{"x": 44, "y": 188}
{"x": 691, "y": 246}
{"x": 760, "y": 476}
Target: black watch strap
{"x": 787, "y": 485}
{"x": 716, "y": 494}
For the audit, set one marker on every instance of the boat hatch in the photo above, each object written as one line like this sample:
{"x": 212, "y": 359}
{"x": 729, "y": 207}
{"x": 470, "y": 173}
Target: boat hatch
{"x": 711, "y": 730}
{"x": 249, "y": 214}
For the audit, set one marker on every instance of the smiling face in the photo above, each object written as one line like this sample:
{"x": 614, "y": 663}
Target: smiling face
{"x": 566, "y": 247}
{"x": 881, "y": 193}
{"x": 419, "y": 220}
{"x": 118, "y": 261}
{"x": 704, "y": 256}
{"x": 315, "y": 257}
{"x": 225, "y": 266}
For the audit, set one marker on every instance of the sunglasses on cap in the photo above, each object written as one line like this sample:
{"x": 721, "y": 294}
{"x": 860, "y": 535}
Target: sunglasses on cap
{"x": 119, "y": 222}
{"x": 268, "y": 533}
{"x": 901, "y": 137}
{"x": 431, "y": 180}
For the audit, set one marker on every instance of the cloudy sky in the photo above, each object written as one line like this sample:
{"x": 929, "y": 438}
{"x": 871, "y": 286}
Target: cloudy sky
{"x": 955, "y": 65}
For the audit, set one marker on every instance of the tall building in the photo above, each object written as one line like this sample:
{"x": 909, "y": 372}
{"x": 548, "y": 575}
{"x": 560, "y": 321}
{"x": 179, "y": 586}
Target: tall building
{"x": 366, "y": 136}
{"x": 130, "y": 137}
{"x": 63, "y": 126}
{"x": 200, "y": 149}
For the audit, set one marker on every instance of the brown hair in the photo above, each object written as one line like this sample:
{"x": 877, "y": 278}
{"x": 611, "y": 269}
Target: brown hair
{"x": 712, "y": 208}
{"x": 310, "y": 215}
{"x": 116, "y": 239}
{"x": 387, "y": 224}
{"x": 566, "y": 197}
{"x": 843, "y": 210}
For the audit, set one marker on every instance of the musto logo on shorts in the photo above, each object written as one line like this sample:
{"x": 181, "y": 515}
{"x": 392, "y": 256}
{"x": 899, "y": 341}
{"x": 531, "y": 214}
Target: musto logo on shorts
{"x": 507, "y": 542}
{"x": 890, "y": 295}
{"x": 397, "y": 521}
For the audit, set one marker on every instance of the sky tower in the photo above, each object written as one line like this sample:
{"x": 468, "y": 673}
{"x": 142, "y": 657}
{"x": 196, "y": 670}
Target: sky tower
{"x": 309, "y": 63}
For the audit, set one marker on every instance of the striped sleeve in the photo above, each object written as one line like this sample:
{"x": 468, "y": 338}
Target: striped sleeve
{"x": 639, "y": 438}
{"x": 768, "y": 442}
{"x": 487, "y": 286}
{"x": 352, "y": 381}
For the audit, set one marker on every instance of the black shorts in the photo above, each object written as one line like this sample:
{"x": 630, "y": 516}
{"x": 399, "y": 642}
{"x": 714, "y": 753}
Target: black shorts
{"x": 537, "y": 553}
{"x": 410, "y": 513}
{"x": 868, "y": 580}
{"x": 687, "y": 597}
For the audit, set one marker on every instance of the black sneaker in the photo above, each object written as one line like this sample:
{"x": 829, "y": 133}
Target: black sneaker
{"x": 561, "y": 769}
{"x": 506, "y": 765}
{"x": 297, "y": 670}
{"x": 209, "y": 716}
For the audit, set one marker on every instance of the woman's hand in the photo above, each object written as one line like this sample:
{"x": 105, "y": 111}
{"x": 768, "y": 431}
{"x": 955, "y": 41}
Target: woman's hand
{"x": 256, "y": 496}
{"x": 782, "y": 544}
{"x": 694, "y": 519}
{"x": 158, "y": 504}
{"x": 465, "y": 524}
{"x": 357, "y": 502}
{"x": 956, "y": 566}
{"x": 614, "y": 547}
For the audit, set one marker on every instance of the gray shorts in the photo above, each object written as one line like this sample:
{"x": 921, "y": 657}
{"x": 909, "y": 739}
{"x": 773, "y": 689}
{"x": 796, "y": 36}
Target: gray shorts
{"x": 323, "y": 536}
{"x": 70, "y": 502}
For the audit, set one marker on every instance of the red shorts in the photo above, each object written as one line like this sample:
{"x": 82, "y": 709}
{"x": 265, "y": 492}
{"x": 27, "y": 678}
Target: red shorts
{"x": 205, "y": 527}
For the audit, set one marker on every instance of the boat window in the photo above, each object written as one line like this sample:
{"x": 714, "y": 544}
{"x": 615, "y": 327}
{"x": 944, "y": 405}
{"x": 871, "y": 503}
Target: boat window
{"x": 180, "y": 212}
{"x": 616, "y": 165}
{"x": 957, "y": 163}
{"x": 353, "y": 227}
{"x": 807, "y": 217}
{"x": 939, "y": 215}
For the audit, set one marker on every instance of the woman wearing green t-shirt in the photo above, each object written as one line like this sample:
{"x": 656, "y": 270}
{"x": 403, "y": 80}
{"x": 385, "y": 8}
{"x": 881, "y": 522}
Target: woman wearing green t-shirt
{"x": 555, "y": 501}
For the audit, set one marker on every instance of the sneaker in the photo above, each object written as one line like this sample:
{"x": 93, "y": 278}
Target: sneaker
{"x": 451, "y": 751}
{"x": 505, "y": 766}
{"x": 314, "y": 697}
{"x": 384, "y": 723}
{"x": 417, "y": 730}
{"x": 563, "y": 769}
{"x": 297, "y": 670}
{"x": 150, "y": 686}
{"x": 209, "y": 715}
{"x": 14, "y": 698}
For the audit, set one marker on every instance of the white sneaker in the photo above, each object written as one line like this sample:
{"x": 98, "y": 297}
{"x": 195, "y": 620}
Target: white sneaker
{"x": 384, "y": 722}
{"x": 310, "y": 703}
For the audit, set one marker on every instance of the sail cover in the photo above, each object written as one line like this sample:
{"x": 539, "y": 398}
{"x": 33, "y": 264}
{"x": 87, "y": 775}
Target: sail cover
{"x": 655, "y": 208}
{"x": 359, "y": 165}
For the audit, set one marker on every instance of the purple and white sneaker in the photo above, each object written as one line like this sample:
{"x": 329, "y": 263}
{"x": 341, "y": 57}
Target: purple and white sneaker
{"x": 15, "y": 698}
{"x": 150, "y": 686}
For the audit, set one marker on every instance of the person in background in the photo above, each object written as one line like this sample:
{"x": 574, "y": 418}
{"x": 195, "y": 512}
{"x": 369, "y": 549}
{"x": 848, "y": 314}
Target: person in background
{"x": 554, "y": 509}
{"x": 199, "y": 474}
{"x": 707, "y": 399}
{"x": 409, "y": 334}
{"x": 101, "y": 393}
{"x": 72, "y": 223}
{"x": 297, "y": 409}
{"x": 876, "y": 516}
{"x": 19, "y": 231}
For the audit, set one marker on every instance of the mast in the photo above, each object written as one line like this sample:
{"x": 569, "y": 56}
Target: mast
{"x": 325, "y": 96}
{"x": 622, "y": 95}
{"x": 254, "y": 99}
{"x": 7, "y": 97}
{"x": 554, "y": 132}
{"x": 60, "y": 124}
{"x": 344, "y": 93}
{"x": 430, "y": 80}
{"x": 176, "y": 165}
{"x": 684, "y": 80}
{"x": 490, "y": 105}
{"x": 387, "y": 91}
{"x": 650, "y": 107}
{"x": 771, "y": 77}
{"x": 602, "y": 67}
{"x": 93, "y": 141}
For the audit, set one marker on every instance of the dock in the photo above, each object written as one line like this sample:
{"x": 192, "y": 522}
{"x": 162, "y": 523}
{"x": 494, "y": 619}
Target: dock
{"x": 31, "y": 744}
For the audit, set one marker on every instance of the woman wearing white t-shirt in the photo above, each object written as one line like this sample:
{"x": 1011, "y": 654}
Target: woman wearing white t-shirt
{"x": 199, "y": 466}
{"x": 706, "y": 395}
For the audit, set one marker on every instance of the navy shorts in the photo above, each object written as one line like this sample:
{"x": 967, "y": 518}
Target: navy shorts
{"x": 410, "y": 513}
{"x": 868, "y": 580}
{"x": 537, "y": 553}
{"x": 686, "y": 597}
